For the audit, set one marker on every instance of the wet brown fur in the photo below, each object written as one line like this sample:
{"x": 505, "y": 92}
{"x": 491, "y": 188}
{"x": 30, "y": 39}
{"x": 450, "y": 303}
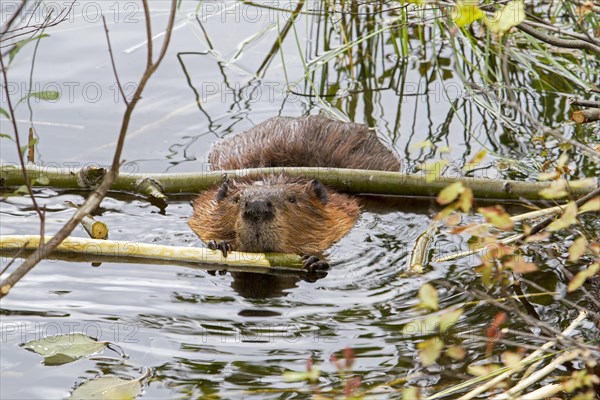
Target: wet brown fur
{"x": 308, "y": 217}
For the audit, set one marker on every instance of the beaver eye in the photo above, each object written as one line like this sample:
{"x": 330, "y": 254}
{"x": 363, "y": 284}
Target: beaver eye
{"x": 236, "y": 199}
{"x": 292, "y": 199}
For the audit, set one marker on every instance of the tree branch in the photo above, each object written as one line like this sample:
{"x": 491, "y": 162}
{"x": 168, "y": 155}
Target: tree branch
{"x": 95, "y": 198}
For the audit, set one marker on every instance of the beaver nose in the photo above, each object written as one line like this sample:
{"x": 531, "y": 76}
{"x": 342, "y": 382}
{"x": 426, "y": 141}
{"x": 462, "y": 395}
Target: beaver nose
{"x": 259, "y": 210}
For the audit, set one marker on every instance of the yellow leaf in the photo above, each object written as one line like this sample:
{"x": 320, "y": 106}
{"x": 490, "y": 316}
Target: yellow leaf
{"x": 456, "y": 352}
{"x": 430, "y": 350}
{"x": 428, "y": 296}
{"x": 433, "y": 170}
{"x": 481, "y": 370}
{"x": 568, "y": 218}
{"x": 577, "y": 249}
{"x": 520, "y": 266}
{"x": 423, "y": 145}
{"x": 466, "y": 12}
{"x": 449, "y": 319}
{"x": 497, "y": 216}
{"x": 556, "y": 190}
{"x": 453, "y": 220}
{"x": 449, "y": 209}
{"x": 592, "y": 205}
{"x": 584, "y": 8}
{"x": 512, "y": 360}
{"x": 465, "y": 201}
{"x": 538, "y": 237}
{"x": 411, "y": 393}
{"x": 581, "y": 276}
{"x": 450, "y": 193}
{"x": 475, "y": 160}
{"x": 512, "y": 14}
{"x": 478, "y": 230}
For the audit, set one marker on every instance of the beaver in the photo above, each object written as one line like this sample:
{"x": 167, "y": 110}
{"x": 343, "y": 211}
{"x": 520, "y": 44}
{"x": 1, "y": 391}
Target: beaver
{"x": 279, "y": 213}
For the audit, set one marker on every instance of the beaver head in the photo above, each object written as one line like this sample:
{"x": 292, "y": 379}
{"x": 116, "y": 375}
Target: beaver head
{"x": 274, "y": 214}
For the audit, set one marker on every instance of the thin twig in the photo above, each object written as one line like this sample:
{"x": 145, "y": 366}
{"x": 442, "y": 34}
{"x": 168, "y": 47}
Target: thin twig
{"x": 482, "y": 388}
{"x": 96, "y": 197}
{"x": 12, "y": 19}
{"x": 13, "y": 119}
{"x": 112, "y": 61}
{"x": 558, "y": 42}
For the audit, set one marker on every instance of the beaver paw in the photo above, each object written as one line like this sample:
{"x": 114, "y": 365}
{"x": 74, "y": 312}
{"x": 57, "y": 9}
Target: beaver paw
{"x": 222, "y": 245}
{"x": 315, "y": 268}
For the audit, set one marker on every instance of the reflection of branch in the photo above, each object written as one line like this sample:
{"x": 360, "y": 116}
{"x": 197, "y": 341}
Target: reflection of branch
{"x": 280, "y": 37}
{"x": 554, "y": 133}
{"x": 558, "y": 42}
{"x": 96, "y": 197}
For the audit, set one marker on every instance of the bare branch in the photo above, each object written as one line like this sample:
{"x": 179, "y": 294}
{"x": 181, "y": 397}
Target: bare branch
{"x": 558, "y": 42}
{"x": 112, "y": 61}
{"x": 95, "y": 198}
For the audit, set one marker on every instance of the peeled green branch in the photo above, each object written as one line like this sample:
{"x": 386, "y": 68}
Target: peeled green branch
{"x": 92, "y": 250}
{"x": 347, "y": 180}
{"x": 96, "y": 229}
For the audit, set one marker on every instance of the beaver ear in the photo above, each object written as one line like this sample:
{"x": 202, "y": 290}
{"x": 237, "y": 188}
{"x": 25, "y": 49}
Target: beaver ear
{"x": 319, "y": 190}
{"x": 222, "y": 193}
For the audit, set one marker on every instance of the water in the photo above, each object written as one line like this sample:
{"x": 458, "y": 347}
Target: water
{"x": 203, "y": 333}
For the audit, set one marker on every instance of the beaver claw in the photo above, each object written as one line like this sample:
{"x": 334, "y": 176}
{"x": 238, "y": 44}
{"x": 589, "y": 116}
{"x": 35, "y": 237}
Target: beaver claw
{"x": 222, "y": 245}
{"x": 315, "y": 268}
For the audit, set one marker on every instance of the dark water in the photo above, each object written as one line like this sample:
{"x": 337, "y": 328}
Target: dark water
{"x": 201, "y": 333}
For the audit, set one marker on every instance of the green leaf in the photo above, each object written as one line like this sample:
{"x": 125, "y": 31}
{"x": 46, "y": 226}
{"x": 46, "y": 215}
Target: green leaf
{"x": 430, "y": 350}
{"x": 108, "y": 387}
{"x": 428, "y": 296}
{"x": 512, "y": 14}
{"x": 449, "y": 319}
{"x": 47, "y": 95}
{"x": 5, "y": 113}
{"x": 43, "y": 180}
{"x": 62, "y": 349}
{"x": 21, "y": 190}
{"x": 312, "y": 375}
{"x": 2, "y": 135}
{"x": 466, "y": 12}
{"x": 21, "y": 44}
{"x": 450, "y": 193}
{"x": 433, "y": 170}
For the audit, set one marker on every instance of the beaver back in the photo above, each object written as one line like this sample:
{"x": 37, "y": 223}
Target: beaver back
{"x": 312, "y": 141}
